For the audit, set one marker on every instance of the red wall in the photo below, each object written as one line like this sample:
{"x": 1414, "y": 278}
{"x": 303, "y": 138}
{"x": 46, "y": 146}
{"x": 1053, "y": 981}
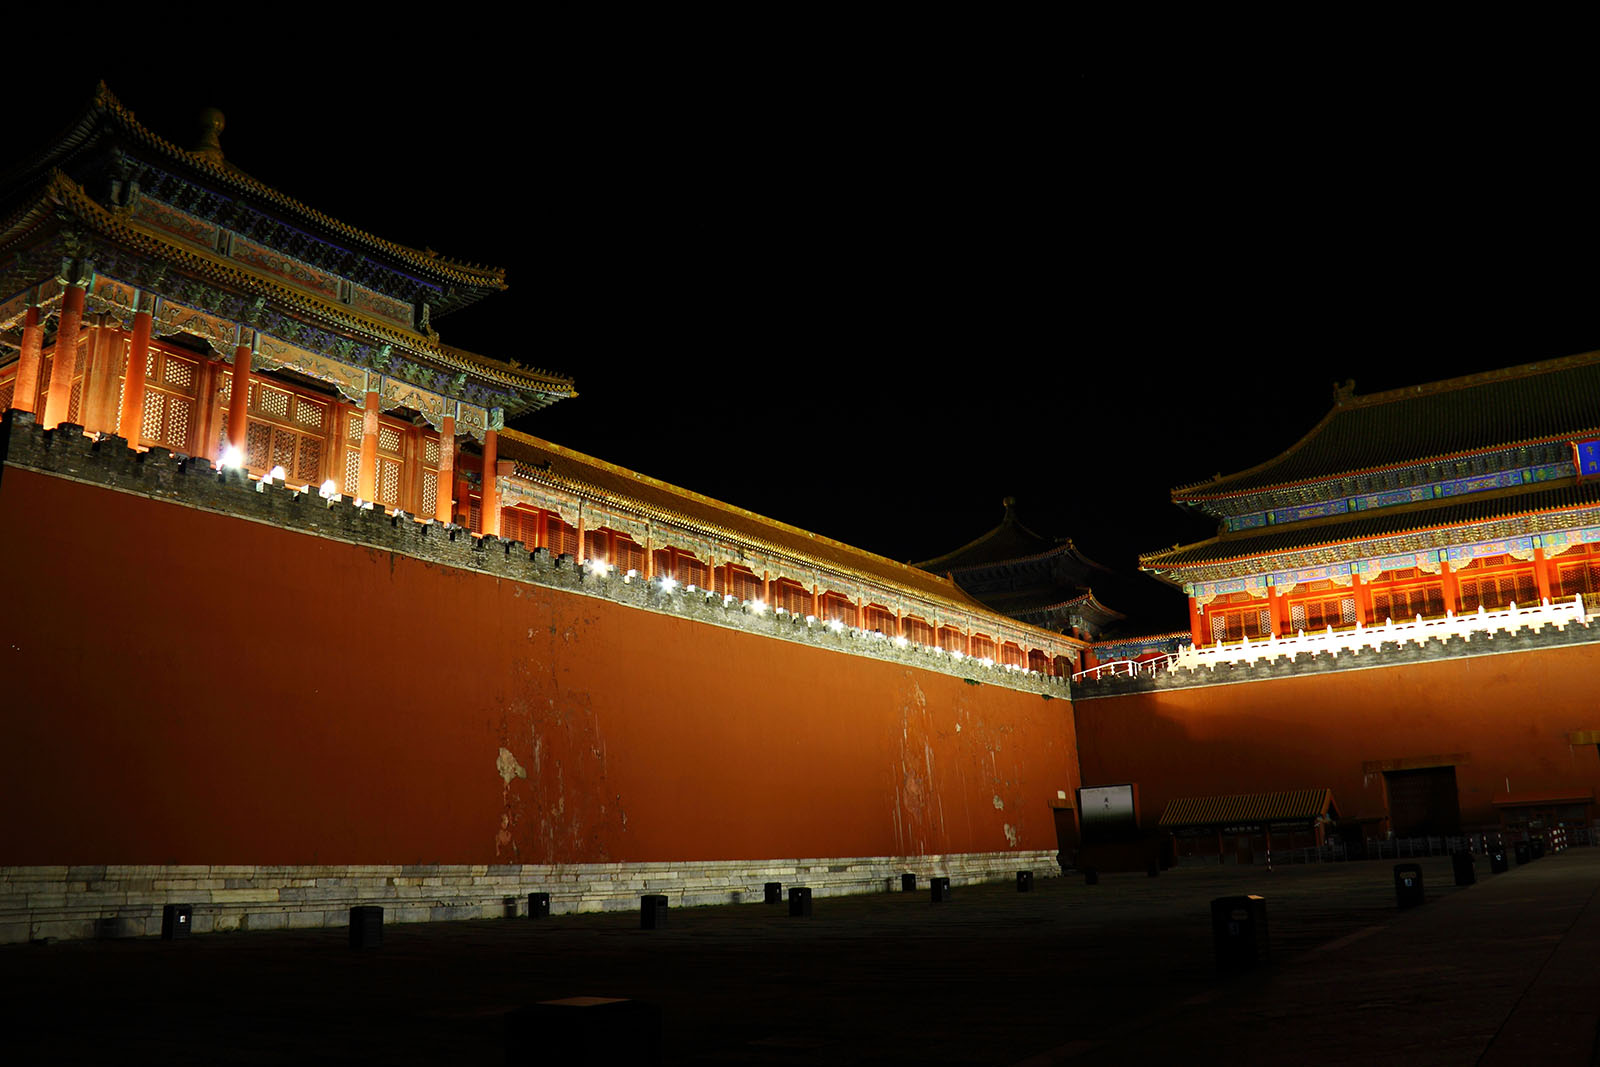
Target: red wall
{"x": 1509, "y": 715}
{"x": 182, "y": 687}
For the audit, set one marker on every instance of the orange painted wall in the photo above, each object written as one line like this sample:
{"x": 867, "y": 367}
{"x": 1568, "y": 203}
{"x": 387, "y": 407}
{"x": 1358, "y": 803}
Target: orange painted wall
{"x": 182, "y": 687}
{"x": 1510, "y": 714}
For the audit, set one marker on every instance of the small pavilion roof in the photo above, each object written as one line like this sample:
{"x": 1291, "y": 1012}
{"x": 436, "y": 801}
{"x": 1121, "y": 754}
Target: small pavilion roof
{"x": 541, "y": 461}
{"x": 1550, "y": 400}
{"x": 1244, "y": 809}
{"x": 1011, "y": 541}
{"x": 106, "y": 119}
{"x": 1389, "y": 522}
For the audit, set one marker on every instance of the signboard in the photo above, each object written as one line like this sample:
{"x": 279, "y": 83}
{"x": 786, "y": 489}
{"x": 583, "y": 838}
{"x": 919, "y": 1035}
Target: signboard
{"x": 1588, "y": 458}
{"x": 1109, "y": 812}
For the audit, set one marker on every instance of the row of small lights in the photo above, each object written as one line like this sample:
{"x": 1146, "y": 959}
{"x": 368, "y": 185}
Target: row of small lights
{"x": 601, "y": 569}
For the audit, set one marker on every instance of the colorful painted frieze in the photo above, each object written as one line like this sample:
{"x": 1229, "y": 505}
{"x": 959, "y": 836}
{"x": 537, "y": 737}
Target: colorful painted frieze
{"x": 176, "y": 223}
{"x": 286, "y": 268}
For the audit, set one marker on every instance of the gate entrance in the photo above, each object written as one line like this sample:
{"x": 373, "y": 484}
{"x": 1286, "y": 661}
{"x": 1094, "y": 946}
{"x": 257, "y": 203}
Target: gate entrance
{"x": 1423, "y": 803}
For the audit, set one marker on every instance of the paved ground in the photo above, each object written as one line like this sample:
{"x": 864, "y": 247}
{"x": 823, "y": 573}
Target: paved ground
{"x": 1502, "y": 972}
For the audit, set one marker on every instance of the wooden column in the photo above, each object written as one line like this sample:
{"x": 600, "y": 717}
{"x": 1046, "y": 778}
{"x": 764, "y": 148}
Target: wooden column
{"x": 1363, "y": 593}
{"x": 1452, "y": 587}
{"x": 239, "y": 401}
{"x": 650, "y": 557}
{"x": 443, "y": 496}
{"x": 367, "y": 473}
{"x": 24, "y": 395}
{"x": 97, "y": 403}
{"x": 65, "y": 363}
{"x": 1541, "y": 574}
{"x": 491, "y": 491}
{"x": 583, "y": 533}
{"x": 130, "y": 423}
{"x": 1197, "y": 622}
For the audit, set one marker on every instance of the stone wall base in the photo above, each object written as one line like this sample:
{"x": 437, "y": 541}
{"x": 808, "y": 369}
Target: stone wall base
{"x": 73, "y": 903}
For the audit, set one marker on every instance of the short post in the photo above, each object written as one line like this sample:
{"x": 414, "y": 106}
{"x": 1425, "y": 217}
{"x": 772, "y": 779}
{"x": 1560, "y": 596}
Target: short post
{"x": 538, "y": 905}
{"x": 939, "y": 890}
{"x": 177, "y": 920}
{"x": 1523, "y": 853}
{"x": 652, "y": 911}
{"x": 908, "y": 883}
{"x": 366, "y": 926}
{"x": 1239, "y": 932}
{"x": 774, "y": 892}
{"x": 799, "y": 902}
{"x": 1498, "y": 864}
{"x": 1408, "y": 885}
{"x": 1024, "y": 881}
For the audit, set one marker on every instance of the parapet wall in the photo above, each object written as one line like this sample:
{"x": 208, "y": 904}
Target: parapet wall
{"x": 198, "y": 673}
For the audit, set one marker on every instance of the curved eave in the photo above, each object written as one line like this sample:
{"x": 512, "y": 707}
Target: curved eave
{"x": 106, "y": 107}
{"x": 61, "y": 190}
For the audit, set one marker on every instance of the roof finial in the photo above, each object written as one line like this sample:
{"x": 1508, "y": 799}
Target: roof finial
{"x": 209, "y": 147}
{"x": 1010, "y": 504}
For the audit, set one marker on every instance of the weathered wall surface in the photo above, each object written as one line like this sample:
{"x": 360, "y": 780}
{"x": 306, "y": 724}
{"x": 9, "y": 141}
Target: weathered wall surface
{"x": 1502, "y": 719}
{"x": 188, "y": 687}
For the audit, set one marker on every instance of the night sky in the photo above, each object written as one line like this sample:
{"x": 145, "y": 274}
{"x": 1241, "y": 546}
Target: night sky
{"x": 872, "y": 291}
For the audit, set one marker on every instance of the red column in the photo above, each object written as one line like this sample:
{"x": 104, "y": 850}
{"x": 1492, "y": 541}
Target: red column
{"x": 1363, "y": 599}
{"x": 447, "y": 470}
{"x": 1452, "y": 587}
{"x": 1275, "y": 608}
{"x": 239, "y": 400}
{"x": 1197, "y": 623}
{"x": 97, "y": 402}
{"x": 66, "y": 358}
{"x": 1541, "y": 574}
{"x": 25, "y": 393}
{"x": 367, "y": 474}
{"x": 491, "y": 491}
{"x": 130, "y": 423}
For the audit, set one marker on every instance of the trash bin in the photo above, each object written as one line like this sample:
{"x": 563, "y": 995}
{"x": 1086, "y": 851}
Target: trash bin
{"x": 1461, "y": 865}
{"x": 1536, "y": 847}
{"x": 773, "y": 891}
{"x": 366, "y": 926}
{"x": 538, "y": 905}
{"x": 1239, "y": 932}
{"x": 1523, "y": 853}
{"x": 1498, "y": 864}
{"x": 939, "y": 890}
{"x": 908, "y": 883}
{"x": 652, "y": 912}
{"x": 799, "y": 902}
{"x": 1408, "y": 884}
{"x": 177, "y": 920}
{"x": 1024, "y": 881}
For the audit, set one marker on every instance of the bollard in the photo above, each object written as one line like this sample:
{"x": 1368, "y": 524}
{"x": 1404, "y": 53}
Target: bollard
{"x": 1091, "y": 876}
{"x": 1024, "y": 881}
{"x": 538, "y": 905}
{"x": 366, "y": 926}
{"x": 908, "y": 883}
{"x": 1239, "y": 932}
{"x": 1461, "y": 863}
{"x": 584, "y": 1030}
{"x": 177, "y": 920}
{"x": 773, "y": 892}
{"x": 940, "y": 890}
{"x": 1408, "y": 885}
{"x": 1523, "y": 853}
{"x": 799, "y": 902}
{"x": 1497, "y": 860}
{"x": 1536, "y": 848}
{"x": 652, "y": 911}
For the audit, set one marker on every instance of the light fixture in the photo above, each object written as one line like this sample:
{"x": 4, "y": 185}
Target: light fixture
{"x": 329, "y": 490}
{"x": 232, "y": 457}
{"x": 277, "y": 474}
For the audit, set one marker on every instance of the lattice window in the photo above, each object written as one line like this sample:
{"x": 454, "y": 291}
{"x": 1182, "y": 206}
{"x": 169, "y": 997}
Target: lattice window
{"x": 746, "y": 586}
{"x": 1263, "y": 622}
{"x": 430, "y": 451}
{"x": 308, "y": 469}
{"x": 283, "y": 449}
{"x": 950, "y": 639}
{"x": 274, "y": 402}
{"x": 309, "y": 413}
{"x": 352, "y": 472}
{"x": 257, "y": 446}
{"x": 1426, "y": 600}
{"x": 149, "y": 364}
{"x": 388, "y": 439}
{"x": 430, "y": 494}
{"x": 837, "y": 607}
{"x": 917, "y": 630}
{"x": 982, "y": 647}
{"x": 355, "y": 426}
{"x": 7, "y": 390}
{"x": 1219, "y": 627}
{"x": 1580, "y": 579}
{"x": 1495, "y": 591}
{"x": 388, "y": 482}
{"x": 1012, "y": 655}
{"x": 882, "y": 619}
{"x": 72, "y": 405}
{"x": 792, "y": 597}
{"x": 154, "y": 407}
{"x": 179, "y": 373}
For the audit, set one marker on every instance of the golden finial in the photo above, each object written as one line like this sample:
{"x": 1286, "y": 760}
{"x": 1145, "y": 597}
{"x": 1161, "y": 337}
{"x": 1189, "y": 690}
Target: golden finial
{"x": 209, "y": 147}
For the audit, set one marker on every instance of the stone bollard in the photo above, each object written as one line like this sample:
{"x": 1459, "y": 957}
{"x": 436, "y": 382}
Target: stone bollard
{"x": 1497, "y": 860}
{"x": 177, "y": 920}
{"x": 773, "y": 892}
{"x": 652, "y": 912}
{"x": 908, "y": 883}
{"x": 1024, "y": 881}
{"x": 538, "y": 905}
{"x": 1408, "y": 885}
{"x": 939, "y": 890}
{"x": 1239, "y": 932}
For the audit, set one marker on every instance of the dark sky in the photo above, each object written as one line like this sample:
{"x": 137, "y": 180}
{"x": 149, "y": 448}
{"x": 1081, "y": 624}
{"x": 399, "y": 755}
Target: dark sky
{"x": 870, "y": 291}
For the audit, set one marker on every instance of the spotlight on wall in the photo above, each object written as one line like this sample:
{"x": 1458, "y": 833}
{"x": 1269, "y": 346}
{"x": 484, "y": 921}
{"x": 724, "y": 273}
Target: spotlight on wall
{"x": 836, "y": 626}
{"x": 900, "y": 642}
{"x": 277, "y": 474}
{"x": 668, "y": 583}
{"x": 757, "y": 605}
{"x": 329, "y": 490}
{"x": 232, "y": 457}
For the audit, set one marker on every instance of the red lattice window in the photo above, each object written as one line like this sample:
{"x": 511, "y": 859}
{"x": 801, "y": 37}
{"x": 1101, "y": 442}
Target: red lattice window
{"x": 744, "y": 584}
{"x": 518, "y": 523}
{"x": 1039, "y": 661}
{"x": 1321, "y": 613}
{"x": 837, "y": 608}
{"x": 791, "y": 596}
{"x": 879, "y": 618}
{"x": 982, "y": 646}
{"x": 1407, "y": 602}
{"x": 1495, "y": 591}
{"x": 1012, "y": 655}
{"x": 1580, "y": 576}
{"x": 682, "y": 567}
{"x": 952, "y": 639}
{"x": 917, "y": 629}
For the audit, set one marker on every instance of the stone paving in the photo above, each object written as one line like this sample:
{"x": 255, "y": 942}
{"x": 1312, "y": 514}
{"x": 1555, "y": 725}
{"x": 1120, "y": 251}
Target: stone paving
{"x": 1122, "y": 972}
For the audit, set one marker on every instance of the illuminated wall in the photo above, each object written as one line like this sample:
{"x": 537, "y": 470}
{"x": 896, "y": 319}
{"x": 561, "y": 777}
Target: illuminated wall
{"x": 190, "y": 687}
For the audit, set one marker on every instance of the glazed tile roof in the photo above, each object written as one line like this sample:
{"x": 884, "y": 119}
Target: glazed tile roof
{"x": 1388, "y": 522}
{"x": 545, "y": 463}
{"x": 1008, "y": 542}
{"x": 107, "y": 114}
{"x": 1552, "y": 400}
{"x": 1249, "y": 808}
{"x": 57, "y": 191}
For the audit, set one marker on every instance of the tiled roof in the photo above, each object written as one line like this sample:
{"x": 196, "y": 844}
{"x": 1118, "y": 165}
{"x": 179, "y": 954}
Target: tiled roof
{"x": 1374, "y": 524}
{"x": 1553, "y": 400}
{"x": 1007, "y": 542}
{"x": 105, "y": 109}
{"x": 1249, "y": 808}
{"x": 547, "y": 463}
